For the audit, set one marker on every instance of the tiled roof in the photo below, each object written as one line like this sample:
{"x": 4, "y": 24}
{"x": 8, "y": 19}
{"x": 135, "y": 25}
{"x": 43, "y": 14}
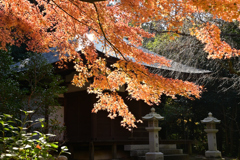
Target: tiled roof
{"x": 175, "y": 66}
{"x": 52, "y": 57}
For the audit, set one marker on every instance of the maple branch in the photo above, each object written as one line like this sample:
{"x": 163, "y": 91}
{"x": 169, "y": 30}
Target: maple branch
{"x": 177, "y": 32}
{"x": 231, "y": 69}
{"x": 186, "y": 34}
{"x": 79, "y": 8}
{"x": 100, "y": 25}
{"x": 73, "y": 17}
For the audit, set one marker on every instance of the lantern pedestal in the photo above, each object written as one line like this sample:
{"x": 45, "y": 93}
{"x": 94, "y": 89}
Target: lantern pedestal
{"x": 213, "y": 154}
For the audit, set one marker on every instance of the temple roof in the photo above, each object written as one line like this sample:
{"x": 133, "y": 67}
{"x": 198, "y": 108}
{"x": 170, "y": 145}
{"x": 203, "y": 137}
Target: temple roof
{"x": 53, "y": 57}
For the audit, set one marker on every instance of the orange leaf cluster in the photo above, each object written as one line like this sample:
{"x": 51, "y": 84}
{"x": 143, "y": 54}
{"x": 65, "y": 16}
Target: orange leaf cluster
{"x": 57, "y": 23}
{"x": 210, "y": 34}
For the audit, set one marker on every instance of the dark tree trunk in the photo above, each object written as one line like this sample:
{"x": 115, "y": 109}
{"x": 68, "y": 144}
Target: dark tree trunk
{"x": 46, "y": 119}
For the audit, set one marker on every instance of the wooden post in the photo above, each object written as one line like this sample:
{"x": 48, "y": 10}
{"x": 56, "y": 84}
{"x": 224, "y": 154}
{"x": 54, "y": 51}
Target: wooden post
{"x": 189, "y": 148}
{"x": 46, "y": 116}
{"x": 114, "y": 151}
{"x": 71, "y": 149}
{"x": 91, "y": 151}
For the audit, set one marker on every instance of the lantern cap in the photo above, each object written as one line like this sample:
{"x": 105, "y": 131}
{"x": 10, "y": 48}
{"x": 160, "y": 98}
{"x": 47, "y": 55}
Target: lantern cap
{"x": 153, "y": 115}
{"x": 210, "y": 119}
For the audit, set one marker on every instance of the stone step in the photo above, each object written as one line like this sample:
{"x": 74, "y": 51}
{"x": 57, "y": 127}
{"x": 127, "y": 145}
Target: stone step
{"x": 176, "y": 157}
{"x": 167, "y": 146}
{"x": 135, "y": 153}
{"x": 204, "y": 158}
{"x": 170, "y": 157}
{"x": 141, "y": 158}
{"x": 136, "y": 147}
{"x": 146, "y": 147}
{"x": 171, "y": 151}
{"x": 164, "y": 151}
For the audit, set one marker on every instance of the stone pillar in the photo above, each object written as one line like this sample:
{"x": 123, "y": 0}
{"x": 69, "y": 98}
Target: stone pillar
{"x": 211, "y": 130}
{"x": 153, "y": 129}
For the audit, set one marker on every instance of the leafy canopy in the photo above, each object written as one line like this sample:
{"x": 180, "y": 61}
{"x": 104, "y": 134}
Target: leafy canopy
{"x": 42, "y": 24}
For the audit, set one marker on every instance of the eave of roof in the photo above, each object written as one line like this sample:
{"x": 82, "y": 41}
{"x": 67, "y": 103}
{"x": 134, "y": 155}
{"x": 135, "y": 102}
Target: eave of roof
{"x": 175, "y": 66}
{"x": 53, "y": 57}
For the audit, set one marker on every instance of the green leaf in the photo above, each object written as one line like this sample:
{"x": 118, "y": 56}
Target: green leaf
{"x": 30, "y": 111}
{"x": 6, "y": 129}
{"x": 7, "y": 115}
{"x": 37, "y": 132}
{"x": 54, "y": 145}
{"x": 50, "y": 135}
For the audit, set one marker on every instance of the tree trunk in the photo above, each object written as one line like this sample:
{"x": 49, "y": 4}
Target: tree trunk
{"x": 46, "y": 119}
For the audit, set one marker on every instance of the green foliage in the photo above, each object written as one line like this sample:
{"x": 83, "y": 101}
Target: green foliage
{"x": 20, "y": 52}
{"x": 19, "y": 143}
{"x": 30, "y": 85}
{"x": 42, "y": 88}
{"x": 158, "y": 41}
{"x": 182, "y": 122}
{"x": 10, "y": 93}
{"x": 40, "y": 84}
{"x": 56, "y": 128}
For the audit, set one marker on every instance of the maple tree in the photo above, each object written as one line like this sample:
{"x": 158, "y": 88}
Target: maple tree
{"x": 43, "y": 24}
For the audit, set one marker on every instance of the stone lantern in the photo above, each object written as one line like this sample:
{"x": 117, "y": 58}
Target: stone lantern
{"x": 153, "y": 129}
{"x": 211, "y": 130}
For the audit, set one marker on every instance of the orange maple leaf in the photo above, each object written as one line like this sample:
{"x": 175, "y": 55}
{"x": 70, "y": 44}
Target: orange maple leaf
{"x": 38, "y": 146}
